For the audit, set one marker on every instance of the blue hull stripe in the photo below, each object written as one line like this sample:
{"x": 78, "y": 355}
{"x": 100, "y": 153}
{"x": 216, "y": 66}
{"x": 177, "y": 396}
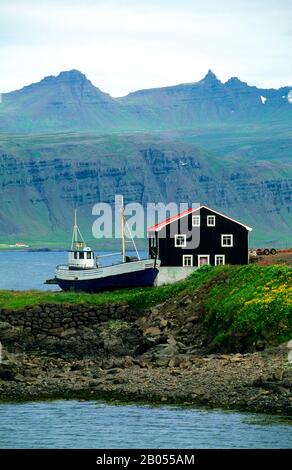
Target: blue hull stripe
{"x": 142, "y": 278}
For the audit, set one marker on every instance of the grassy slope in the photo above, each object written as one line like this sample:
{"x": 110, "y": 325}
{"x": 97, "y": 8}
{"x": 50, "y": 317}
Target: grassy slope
{"x": 247, "y": 303}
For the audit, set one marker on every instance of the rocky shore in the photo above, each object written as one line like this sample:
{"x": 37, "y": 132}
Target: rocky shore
{"x": 162, "y": 355}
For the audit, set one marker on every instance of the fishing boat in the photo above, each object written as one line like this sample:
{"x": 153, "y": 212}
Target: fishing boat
{"x": 84, "y": 271}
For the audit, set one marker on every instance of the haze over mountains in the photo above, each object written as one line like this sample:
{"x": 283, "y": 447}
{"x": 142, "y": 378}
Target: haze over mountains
{"x": 65, "y": 142}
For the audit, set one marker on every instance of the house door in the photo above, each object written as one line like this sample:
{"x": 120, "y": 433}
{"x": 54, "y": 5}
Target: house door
{"x": 203, "y": 259}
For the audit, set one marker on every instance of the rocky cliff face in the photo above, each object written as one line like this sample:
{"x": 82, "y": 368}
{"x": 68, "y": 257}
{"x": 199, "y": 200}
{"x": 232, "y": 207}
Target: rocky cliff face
{"x": 227, "y": 145}
{"x": 42, "y": 180}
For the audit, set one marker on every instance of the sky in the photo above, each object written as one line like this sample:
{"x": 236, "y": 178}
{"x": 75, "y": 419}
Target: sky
{"x": 126, "y": 45}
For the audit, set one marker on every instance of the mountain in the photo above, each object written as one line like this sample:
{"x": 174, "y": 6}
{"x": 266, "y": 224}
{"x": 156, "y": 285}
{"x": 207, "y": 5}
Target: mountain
{"x": 63, "y": 142}
{"x": 70, "y": 102}
{"x": 42, "y": 179}
{"x": 210, "y": 102}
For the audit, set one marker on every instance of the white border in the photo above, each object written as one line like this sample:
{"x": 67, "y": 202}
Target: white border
{"x": 227, "y": 235}
{"x": 196, "y": 225}
{"x": 175, "y": 240}
{"x": 216, "y": 264}
{"x": 211, "y": 225}
{"x": 188, "y": 265}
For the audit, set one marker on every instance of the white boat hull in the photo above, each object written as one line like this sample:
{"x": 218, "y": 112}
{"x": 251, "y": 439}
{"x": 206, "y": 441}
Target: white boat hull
{"x": 131, "y": 274}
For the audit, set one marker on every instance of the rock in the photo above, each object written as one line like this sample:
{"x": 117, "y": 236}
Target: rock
{"x": 162, "y": 362}
{"x": 194, "y": 318}
{"x": 128, "y": 361}
{"x": 19, "y": 378}
{"x": 56, "y": 331}
{"x": 186, "y": 300}
{"x": 8, "y": 332}
{"x": 114, "y": 370}
{"x": 163, "y": 323}
{"x": 235, "y": 359}
{"x": 8, "y": 370}
{"x": 152, "y": 331}
{"x": 185, "y": 365}
{"x": 167, "y": 349}
{"x": 68, "y": 333}
{"x": 174, "y": 362}
{"x": 154, "y": 311}
{"x": 87, "y": 334}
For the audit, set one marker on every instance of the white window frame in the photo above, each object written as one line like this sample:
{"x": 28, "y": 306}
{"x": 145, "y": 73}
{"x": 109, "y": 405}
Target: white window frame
{"x": 226, "y": 235}
{"x": 211, "y": 217}
{"x": 198, "y": 218}
{"x": 192, "y": 261}
{"x": 216, "y": 260}
{"x": 152, "y": 241}
{"x": 184, "y": 243}
{"x": 203, "y": 256}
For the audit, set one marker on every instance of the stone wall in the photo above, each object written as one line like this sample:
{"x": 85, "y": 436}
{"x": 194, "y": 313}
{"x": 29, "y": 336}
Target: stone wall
{"x": 70, "y": 329}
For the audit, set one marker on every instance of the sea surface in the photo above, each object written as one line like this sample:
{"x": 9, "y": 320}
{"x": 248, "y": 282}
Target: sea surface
{"x": 25, "y": 270}
{"x": 75, "y": 424}
{"x": 78, "y": 424}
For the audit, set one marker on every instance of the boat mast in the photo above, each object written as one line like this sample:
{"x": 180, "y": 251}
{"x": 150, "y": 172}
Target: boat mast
{"x": 123, "y": 234}
{"x": 120, "y": 205}
{"x": 76, "y": 232}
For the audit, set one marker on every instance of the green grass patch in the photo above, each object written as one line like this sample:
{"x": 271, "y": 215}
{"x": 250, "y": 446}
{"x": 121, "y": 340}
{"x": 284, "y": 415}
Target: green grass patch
{"x": 241, "y": 303}
{"x": 139, "y": 298}
{"x": 253, "y": 303}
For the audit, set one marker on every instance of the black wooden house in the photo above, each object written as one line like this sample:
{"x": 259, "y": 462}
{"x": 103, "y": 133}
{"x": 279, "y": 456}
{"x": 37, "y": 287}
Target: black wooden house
{"x": 199, "y": 236}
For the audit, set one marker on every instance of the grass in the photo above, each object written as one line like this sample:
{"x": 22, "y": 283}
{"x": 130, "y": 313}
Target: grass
{"x": 241, "y": 303}
{"x": 140, "y": 298}
{"x": 252, "y": 304}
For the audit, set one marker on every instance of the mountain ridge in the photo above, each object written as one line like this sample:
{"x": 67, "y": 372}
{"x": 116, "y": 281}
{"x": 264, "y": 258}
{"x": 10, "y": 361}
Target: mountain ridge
{"x": 69, "y": 101}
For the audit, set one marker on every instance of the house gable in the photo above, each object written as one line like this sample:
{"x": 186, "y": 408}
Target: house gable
{"x": 213, "y": 237}
{"x": 159, "y": 226}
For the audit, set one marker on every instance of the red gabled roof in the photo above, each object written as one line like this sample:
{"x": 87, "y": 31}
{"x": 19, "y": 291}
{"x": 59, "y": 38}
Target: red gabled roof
{"x": 168, "y": 221}
{"x": 160, "y": 225}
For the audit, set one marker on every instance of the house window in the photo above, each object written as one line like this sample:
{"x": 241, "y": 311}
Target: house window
{"x": 227, "y": 240}
{"x": 196, "y": 220}
{"x": 203, "y": 259}
{"x": 211, "y": 220}
{"x": 219, "y": 259}
{"x": 180, "y": 241}
{"x": 187, "y": 260}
